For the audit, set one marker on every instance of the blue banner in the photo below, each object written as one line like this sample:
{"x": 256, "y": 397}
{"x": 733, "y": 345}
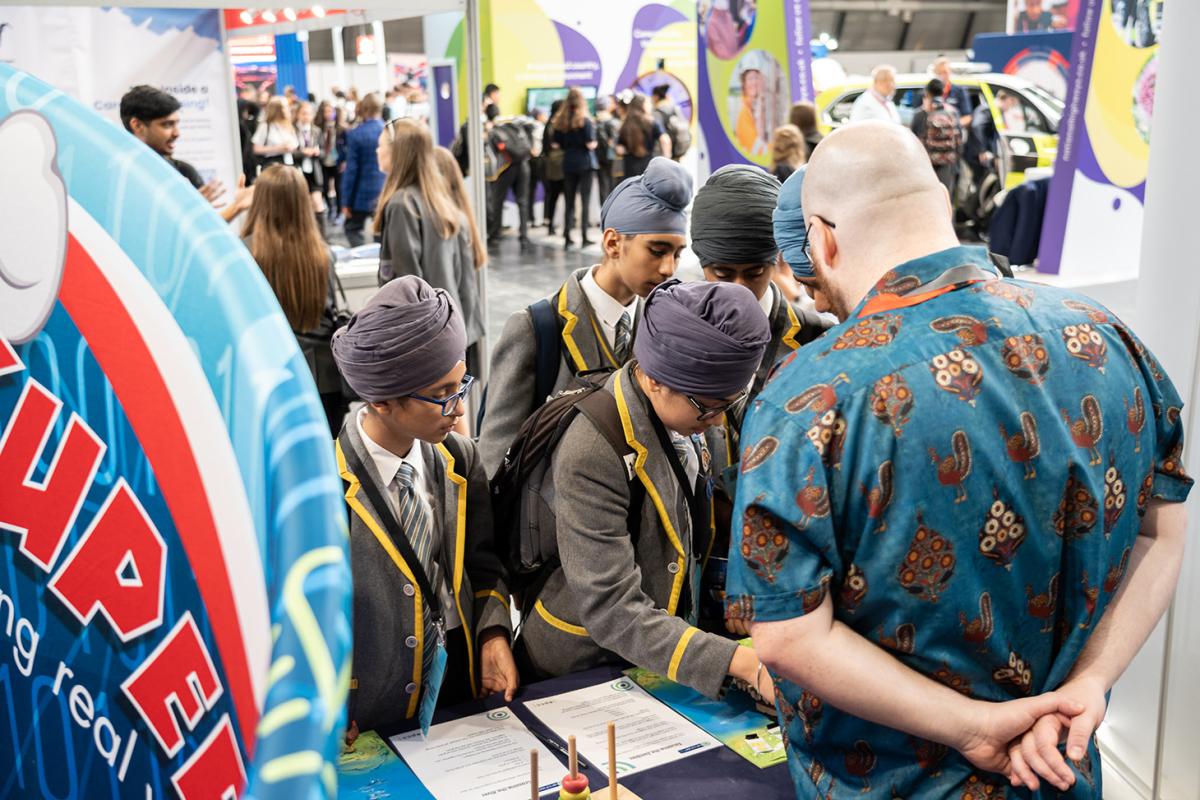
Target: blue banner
{"x": 174, "y": 585}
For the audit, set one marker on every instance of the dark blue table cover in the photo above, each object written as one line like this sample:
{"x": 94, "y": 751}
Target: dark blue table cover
{"x": 717, "y": 773}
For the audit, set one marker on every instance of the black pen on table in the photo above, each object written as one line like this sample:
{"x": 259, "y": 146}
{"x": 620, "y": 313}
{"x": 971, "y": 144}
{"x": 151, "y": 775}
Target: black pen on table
{"x": 554, "y": 745}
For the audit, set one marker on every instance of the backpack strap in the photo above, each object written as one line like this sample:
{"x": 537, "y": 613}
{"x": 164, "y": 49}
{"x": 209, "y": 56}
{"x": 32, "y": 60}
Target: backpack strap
{"x": 547, "y": 356}
{"x": 600, "y": 408}
{"x": 548, "y": 350}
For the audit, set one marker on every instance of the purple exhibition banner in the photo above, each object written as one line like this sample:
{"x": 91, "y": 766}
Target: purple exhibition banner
{"x": 800, "y": 51}
{"x": 1095, "y": 209}
{"x": 1072, "y": 136}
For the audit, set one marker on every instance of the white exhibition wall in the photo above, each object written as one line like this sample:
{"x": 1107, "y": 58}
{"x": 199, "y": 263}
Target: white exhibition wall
{"x": 1151, "y": 739}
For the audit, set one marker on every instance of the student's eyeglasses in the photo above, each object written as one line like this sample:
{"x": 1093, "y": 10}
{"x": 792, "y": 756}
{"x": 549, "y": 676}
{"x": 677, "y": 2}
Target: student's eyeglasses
{"x": 450, "y": 403}
{"x": 808, "y": 235}
{"x": 712, "y": 412}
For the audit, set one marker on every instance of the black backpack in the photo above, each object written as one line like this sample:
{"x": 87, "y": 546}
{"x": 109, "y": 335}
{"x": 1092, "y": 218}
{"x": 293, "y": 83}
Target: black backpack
{"x": 677, "y": 128}
{"x": 530, "y": 554}
{"x": 512, "y": 138}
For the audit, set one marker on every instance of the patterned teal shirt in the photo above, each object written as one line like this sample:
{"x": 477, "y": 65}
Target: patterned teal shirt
{"x": 964, "y": 463}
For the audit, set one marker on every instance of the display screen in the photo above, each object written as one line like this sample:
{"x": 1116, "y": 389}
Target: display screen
{"x": 543, "y": 98}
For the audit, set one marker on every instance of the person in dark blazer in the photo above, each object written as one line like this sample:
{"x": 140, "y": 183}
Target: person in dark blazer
{"x": 420, "y": 515}
{"x": 621, "y": 594}
{"x": 575, "y": 135}
{"x": 597, "y": 307}
{"x": 362, "y": 180}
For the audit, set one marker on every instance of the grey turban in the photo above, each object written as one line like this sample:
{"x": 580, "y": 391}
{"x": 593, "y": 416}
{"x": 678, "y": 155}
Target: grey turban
{"x": 407, "y": 337}
{"x": 790, "y": 231}
{"x": 703, "y": 339}
{"x": 653, "y": 202}
{"x": 731, "y": 217}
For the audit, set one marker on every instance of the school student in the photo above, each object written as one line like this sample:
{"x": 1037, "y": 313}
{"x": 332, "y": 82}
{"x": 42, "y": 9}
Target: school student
{"x": 429, "y": 590}
{"x": 626, "y": 587}
{"x": 422, "y": 229}
{"x": 590, "y": 322}
{"x": 733, "y": 237}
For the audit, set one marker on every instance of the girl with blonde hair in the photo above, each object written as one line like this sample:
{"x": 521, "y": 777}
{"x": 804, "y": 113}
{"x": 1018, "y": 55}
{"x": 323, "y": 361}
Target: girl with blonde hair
{"x": 448, "y": 166}
{"x": 275, "y": 140}
{"x": 787, "y": 151}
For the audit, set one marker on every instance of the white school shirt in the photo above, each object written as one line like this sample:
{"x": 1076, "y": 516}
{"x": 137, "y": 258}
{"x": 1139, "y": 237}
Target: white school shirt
{"x": 608, "y": 310}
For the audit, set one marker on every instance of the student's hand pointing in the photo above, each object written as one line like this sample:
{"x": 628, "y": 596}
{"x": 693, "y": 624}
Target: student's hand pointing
{"x": 213, "y": 191}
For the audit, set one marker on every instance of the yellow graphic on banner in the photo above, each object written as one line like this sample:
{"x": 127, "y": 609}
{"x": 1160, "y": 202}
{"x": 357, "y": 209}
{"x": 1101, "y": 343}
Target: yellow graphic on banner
{"x": 1119, "y": 73}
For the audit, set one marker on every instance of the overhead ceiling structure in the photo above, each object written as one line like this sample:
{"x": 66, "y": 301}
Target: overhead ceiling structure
{"x": 874, "y": 25}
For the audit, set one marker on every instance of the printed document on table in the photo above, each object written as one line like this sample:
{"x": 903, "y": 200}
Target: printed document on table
{"x": 649, "y": 733}
{"x": 480, "y": 757}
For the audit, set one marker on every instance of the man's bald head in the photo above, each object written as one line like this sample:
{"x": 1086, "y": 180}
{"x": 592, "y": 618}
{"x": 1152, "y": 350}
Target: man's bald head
{"x": 869, "y": 169}
{"x": 871, "y": 201}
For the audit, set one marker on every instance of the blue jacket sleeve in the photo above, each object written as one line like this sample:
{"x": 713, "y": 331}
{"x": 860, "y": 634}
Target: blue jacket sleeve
{"x": 350, "y": 178}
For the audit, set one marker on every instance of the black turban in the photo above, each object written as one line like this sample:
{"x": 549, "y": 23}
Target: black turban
{"x": 731, "y": 217}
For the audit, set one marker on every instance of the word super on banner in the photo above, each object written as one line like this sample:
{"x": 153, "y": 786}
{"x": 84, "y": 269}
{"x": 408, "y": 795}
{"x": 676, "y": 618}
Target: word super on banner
{"x": 174, "y": 586}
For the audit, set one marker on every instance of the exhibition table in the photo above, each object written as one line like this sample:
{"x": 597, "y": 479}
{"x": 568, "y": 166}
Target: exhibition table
{"x": 719, "y": 772}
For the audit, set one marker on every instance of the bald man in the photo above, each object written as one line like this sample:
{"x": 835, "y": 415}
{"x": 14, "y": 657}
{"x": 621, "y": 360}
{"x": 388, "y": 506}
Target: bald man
{"x": 953, "y": 537}
{"x": 876, "y": 103}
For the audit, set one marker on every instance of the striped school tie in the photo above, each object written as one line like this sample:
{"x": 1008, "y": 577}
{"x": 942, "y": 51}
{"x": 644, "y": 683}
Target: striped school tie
{"x": 621, "y": 345}
{"x": 685, "y": 449}
{"x": 415, "y": 521}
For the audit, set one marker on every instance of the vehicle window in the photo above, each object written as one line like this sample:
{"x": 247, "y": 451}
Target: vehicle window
{"x": 976, "y": 95}
{"x": 1035, "y": 112}
{"x": 1024, "y": 117}
{"x": 909, "y": 98}
{"x": 1050, "y": 106}
{"x": 839, "y": 112}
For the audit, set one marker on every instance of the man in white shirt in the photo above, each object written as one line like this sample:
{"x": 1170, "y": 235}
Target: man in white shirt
{"x": 876, "y": 102}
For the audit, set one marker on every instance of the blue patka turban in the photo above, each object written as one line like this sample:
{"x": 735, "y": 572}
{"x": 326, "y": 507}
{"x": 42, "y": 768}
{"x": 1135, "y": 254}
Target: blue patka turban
{"x": 789, "y": 225}
{"x": 653, "y": 202}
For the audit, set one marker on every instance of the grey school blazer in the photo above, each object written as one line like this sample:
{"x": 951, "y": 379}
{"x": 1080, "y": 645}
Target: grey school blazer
{"x": 389, "y": 631}
{"x": 410, "y": 244}
{"x": 608, "y": 600}
{"x": 513, "y": 379}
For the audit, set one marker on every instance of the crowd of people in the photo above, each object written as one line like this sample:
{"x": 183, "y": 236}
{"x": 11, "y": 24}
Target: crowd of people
{"x": 925, "y": 616}
{"x": 568, "y": 149}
